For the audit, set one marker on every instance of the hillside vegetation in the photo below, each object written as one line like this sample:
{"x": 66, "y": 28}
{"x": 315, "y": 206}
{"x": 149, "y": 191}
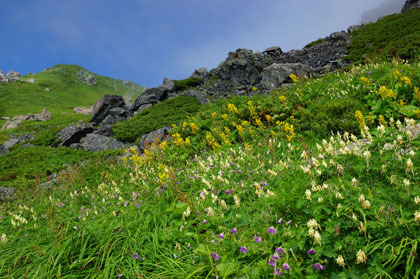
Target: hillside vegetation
{"x": 316, "y": 180}
{"x": 66, "y": 91}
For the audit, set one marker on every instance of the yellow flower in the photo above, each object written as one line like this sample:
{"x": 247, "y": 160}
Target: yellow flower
{"x": 213, "y": 114}
{"x": 406, "y": 80}
{"x": 225, "y": 116}
{"x": 269, "y": 118}
{"x": 282, "y": 98}
{"x": 293, "y": 78}
{"x": 232, "y": 108}
{"x": 254, "y": 88}
{"x": 364, "y": 80}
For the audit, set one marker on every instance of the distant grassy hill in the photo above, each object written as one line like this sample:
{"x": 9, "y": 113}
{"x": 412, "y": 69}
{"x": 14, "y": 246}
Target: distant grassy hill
{"x": 66, "y": 91}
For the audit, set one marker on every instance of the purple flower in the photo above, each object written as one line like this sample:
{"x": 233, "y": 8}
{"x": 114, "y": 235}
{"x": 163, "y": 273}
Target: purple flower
{"x": 243, "y": 249}
{"x": 222, "y": 172}
{"x": 239, "y": 171}
{"x": 143, "y": 258}
{"x": 221, "y": 236}
{"x": 311, "y": 252}
{"x": 234, "y": 231}
{"x": 136, "y": 256}
{"x": 61, "y": 205}
{"x": 215, "y": 256}
{"x": 211, "y": 166}
{"x": 257, "y": 239}
{"x": 265, "y": 183}
{"x": 318, "y": 266}
{"x": 205, "y": 222}
{"x": 279, "y": 250}
{"x": 277, "y": 272}
{"x": 279, "y": 221}
{"x": 288, "y": 222}
{"x": 126, "y": 203}
{"x": 227, "y": 192}
{"x": 275, "y": 256}
{"x": 271, "y": 230}
{"x": 119, "y": 275}
{"x": 286, "y": 266}
{"x": 272, "y": 263}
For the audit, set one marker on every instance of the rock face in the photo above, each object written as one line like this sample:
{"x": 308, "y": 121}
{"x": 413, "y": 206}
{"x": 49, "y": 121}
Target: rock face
{"x": 411, "y": 4}
{"x": 73, "y": 134}
{"x": 102, "y": 107}
{"x": 150, "y": 97}
{"x": 147, "y": 139}
{"x": 86, "y": 78}
{"x": 11, "y": 76}
{"x": 169, "y": 84}
{"x": 6, "y": 193}
{"x": 96, "y": 142}
{"x": 276, "y": 74}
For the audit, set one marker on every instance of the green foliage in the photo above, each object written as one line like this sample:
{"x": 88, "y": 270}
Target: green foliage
{"x": 314, "y": 43}
{"x": 187, "y": 83}
{"x": 163, "y": 114}
{"x": 20, "y": 167}
{"x": 393, "y": 35}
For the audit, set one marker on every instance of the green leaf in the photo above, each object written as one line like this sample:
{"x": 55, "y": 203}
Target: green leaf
{"x": 201, "y": 250}
{"x": 225, "y": 269}
{"x": 408, "y": 110}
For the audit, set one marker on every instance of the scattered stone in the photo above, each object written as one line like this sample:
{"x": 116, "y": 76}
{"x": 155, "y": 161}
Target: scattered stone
{"x": 5, "y": 118}
{"x": 16, "y": 139}
{"x": 45, "y": 115}
{"x": 157, "y": 135}
{"x": 276, "y": 74}
{"x": 86, "y": 78}
{"x": 73, "y": 134}
{"x": 11, "y": 124}
{"x": 102, "y": 107}
{"x": 6, "y": 193}
{"x": 30, "y": 80}
{"x": 96, "y": 142}
{"x": 84, "y": 111}
{"x": 3, "y": 149}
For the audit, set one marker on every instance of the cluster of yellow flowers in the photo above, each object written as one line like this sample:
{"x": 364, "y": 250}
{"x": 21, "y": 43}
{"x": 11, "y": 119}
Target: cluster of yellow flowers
{"x": 387, "y": 93}
{"x": 232, "y": 109}
{"x": 360, "y": 119}
{"x": 294, "y": 78}
{"x": 212, "y": 141}
{"x": 364, "y": 80}
{"x": 287, "y": 129}
{"x": 179, "y": 141}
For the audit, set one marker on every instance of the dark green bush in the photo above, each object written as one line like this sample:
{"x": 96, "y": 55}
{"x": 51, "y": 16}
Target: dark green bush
{"x": 393, "y": 35}
{"x": 157, "y": 116}
{"x": 187, "y": 83}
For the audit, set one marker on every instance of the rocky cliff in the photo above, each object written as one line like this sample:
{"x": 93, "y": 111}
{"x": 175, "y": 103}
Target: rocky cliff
{"x": 411, "y": 4}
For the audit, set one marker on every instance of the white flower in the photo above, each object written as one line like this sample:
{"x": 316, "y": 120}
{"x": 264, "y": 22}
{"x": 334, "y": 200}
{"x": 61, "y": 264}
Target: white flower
{"x": 187, "y": 212}
{"x": 3, "y": 238}
{"x": 308, "y": 194}
{"x": 317, "y": 237}
{"x": 417, "y": 200}
{"x": 361, "y": 257}
{"x": 406, "y": 182}
{"x": 340, "y": 261}
{"x": 416, "y": 216}
{"x": 409, "y": 165}
{"x": 381, "y": 130}
{"x": 361, "y": 198}
{"x": 354, "y": 182}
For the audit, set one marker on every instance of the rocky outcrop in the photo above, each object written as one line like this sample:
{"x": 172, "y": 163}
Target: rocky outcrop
{"x": 11, "y": 76}
{"x": 157, "y": 135}
{"x": 45, "y": 115}
{"x": 276, "y": 74}
{"x": 102, "y": 107}
{"x": 169, "y": 85}
{"x": 199, "y": 95}
{"x": 73, "y": 134}
{"x": 96, "y": 142}
{"x": 6, "y": 194}
{"x": 86, "y": 78}
{"x": 150, "y": 97}
{"x": 11, "y": 124}
{"x": 30, "y": 80}
{"x": 411, "y": 4}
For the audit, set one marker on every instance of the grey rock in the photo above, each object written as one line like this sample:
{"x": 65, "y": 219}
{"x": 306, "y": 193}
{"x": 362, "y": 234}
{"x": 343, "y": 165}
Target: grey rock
{"x": 46, "y": 185}
{"x": 102, "y": 107}
{"x": 11, "y": 124}
{"x": 276, "y": 74}
{"x": 16, "y": 139}
{"x": 3, "y": 150}
{"x": 84, "y": 111}
{"x": 11, "y": 76}
{"x": 142, "y": 107}
{"x": 199, "y": 95}
{"x": 30, "y": 80}
{"x": 169, "y": 85}
{"x": 151, "y": 96}
{"x": 73, "y": 134}
{"x": 96, "y": 142}
{"x": 86, "y": 78}
{"x": 201, "y": 73}
{"x": 411, "y": 4}
{"x": 6, "y": 193}
{"x": 273, "y": 52}
{"x": 45, "y": 115}
{"x": 28, "y": 144}
{"x": 157, "y": 135}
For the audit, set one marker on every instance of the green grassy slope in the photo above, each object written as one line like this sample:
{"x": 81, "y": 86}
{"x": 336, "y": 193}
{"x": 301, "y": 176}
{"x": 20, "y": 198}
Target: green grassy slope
{"x": 66, "y": 92}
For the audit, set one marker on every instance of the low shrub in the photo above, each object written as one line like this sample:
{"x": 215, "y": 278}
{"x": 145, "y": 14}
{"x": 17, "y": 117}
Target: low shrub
{"x": 187, "y": 83}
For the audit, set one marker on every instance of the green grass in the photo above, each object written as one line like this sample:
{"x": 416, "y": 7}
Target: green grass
{"x": 163, "y": 114}
{"x": 187, "y": 83}
{"x": 66, "y": 91}
{"x": 392, "y": 36}
{"x": 314, "y": 43}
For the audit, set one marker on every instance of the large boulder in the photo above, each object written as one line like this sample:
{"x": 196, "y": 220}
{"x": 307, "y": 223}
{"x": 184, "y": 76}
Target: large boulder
{"x": 199, "y": 95}
{"x": 201, "y": 73}
{"x": 6, "y": 193}
{"x": 151, "y": 96}
{"x": 157, "y": 135}
{"x": 276, "y": 74}
{"x": 73, "y": 134}
{"x": 411, "y": 4}
{"x": 169, "y": 85}
{"x": 102, "y": 107}
{"x": 96, "y": 142}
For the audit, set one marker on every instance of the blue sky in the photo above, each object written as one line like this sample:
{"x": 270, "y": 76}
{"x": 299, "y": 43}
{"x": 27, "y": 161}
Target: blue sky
{"x": 147, "y": 40}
